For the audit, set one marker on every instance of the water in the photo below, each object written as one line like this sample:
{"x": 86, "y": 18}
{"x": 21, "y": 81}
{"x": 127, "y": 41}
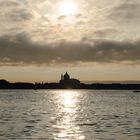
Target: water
{"x": 69, "y": 115}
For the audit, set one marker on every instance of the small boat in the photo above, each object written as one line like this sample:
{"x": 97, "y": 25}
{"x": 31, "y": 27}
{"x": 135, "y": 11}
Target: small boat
{"x": 136, "y": 91}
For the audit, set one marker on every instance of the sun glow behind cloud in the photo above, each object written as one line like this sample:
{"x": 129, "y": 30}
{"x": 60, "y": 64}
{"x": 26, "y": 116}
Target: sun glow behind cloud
{"x": 67, "y": 7}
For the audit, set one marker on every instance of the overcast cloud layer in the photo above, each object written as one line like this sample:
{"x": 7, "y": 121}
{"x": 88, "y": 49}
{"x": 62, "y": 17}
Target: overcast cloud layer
{"x": 105, "y": 31}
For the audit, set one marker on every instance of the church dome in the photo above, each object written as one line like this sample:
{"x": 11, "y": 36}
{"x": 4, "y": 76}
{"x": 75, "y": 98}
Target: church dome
{"x": 66, "y": 76}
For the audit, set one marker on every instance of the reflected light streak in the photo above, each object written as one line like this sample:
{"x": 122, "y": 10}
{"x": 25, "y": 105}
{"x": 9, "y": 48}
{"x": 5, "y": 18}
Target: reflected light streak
{"x": 67, "y": 105}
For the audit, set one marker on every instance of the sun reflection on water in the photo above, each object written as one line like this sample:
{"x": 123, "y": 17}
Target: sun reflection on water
{"x": 67, "y": 106}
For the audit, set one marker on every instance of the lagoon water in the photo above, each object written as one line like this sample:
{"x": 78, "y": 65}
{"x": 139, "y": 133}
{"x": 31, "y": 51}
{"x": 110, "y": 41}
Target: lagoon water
{"x": 69, "y": 115}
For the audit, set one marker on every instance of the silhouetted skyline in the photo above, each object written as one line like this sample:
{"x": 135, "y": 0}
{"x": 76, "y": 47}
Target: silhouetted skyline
{"x": 66, "y": 82}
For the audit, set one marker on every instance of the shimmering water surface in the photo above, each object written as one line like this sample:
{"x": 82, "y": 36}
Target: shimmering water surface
{"x": 69, "y": 115}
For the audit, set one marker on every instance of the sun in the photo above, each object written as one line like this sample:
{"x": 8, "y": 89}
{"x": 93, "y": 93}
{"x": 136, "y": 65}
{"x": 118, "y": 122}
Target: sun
{"x": 68, "y": 7}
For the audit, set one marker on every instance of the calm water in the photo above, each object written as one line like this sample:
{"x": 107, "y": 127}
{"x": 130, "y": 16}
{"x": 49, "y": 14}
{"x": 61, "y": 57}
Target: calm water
{"x": 69, "y": 115}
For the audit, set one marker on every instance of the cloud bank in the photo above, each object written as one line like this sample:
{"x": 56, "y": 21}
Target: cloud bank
{"x": 20, "y": 50}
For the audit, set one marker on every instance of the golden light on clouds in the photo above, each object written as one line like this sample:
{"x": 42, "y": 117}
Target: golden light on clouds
{"x": 67, "y": 7}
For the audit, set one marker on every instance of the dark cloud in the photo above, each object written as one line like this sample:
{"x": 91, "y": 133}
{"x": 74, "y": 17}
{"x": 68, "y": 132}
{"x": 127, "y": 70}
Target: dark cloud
{"x": 127, "y": 11}
{"x": 9, "y": 3}
{"x": 62, "y": 17}
{"x": 15, "y": 11}
{"x": 102, "y": 33}
{"x": 20, "y": 14}
{"x": 19, "y": 50}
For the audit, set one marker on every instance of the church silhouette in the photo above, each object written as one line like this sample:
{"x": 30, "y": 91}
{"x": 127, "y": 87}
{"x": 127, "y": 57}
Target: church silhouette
{"x": 68, "y": 83}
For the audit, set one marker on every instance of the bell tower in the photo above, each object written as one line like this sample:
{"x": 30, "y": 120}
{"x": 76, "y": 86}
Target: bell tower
{"x": 62, "y": 77}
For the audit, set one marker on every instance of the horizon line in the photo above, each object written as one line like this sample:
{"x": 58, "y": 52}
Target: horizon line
{"x": 83, "y": 81}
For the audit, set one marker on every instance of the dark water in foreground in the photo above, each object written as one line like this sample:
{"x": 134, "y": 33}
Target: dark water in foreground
{"x": 69, "y": 115}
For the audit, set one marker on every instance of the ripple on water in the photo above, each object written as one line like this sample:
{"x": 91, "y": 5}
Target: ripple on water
{"x": 69, "y": 115}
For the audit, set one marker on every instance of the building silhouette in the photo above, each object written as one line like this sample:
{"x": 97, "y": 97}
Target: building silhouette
{"x": 68, "y": 83}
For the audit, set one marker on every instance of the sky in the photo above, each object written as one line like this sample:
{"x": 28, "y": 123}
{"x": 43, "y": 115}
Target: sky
{"x": 93, "y": 40}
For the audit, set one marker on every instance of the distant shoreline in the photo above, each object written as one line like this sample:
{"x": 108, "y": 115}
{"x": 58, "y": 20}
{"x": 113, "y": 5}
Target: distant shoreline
{"x": 97, "y": 86}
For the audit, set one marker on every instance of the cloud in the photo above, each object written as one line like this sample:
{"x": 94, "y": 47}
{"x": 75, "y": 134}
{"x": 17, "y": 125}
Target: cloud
{"x": 20, "y": 50}
{"x": 9, "y": 3}
{"x": 44, "y": 25}
{"x": 20, "y": 15}
{"x": 126, "y": 11}
{"x": 103, "y": 33}
{"x": 13, "y": 11}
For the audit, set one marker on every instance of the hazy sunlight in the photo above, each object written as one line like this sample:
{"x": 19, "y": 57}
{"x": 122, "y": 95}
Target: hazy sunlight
{"x": 67, "y": 7}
